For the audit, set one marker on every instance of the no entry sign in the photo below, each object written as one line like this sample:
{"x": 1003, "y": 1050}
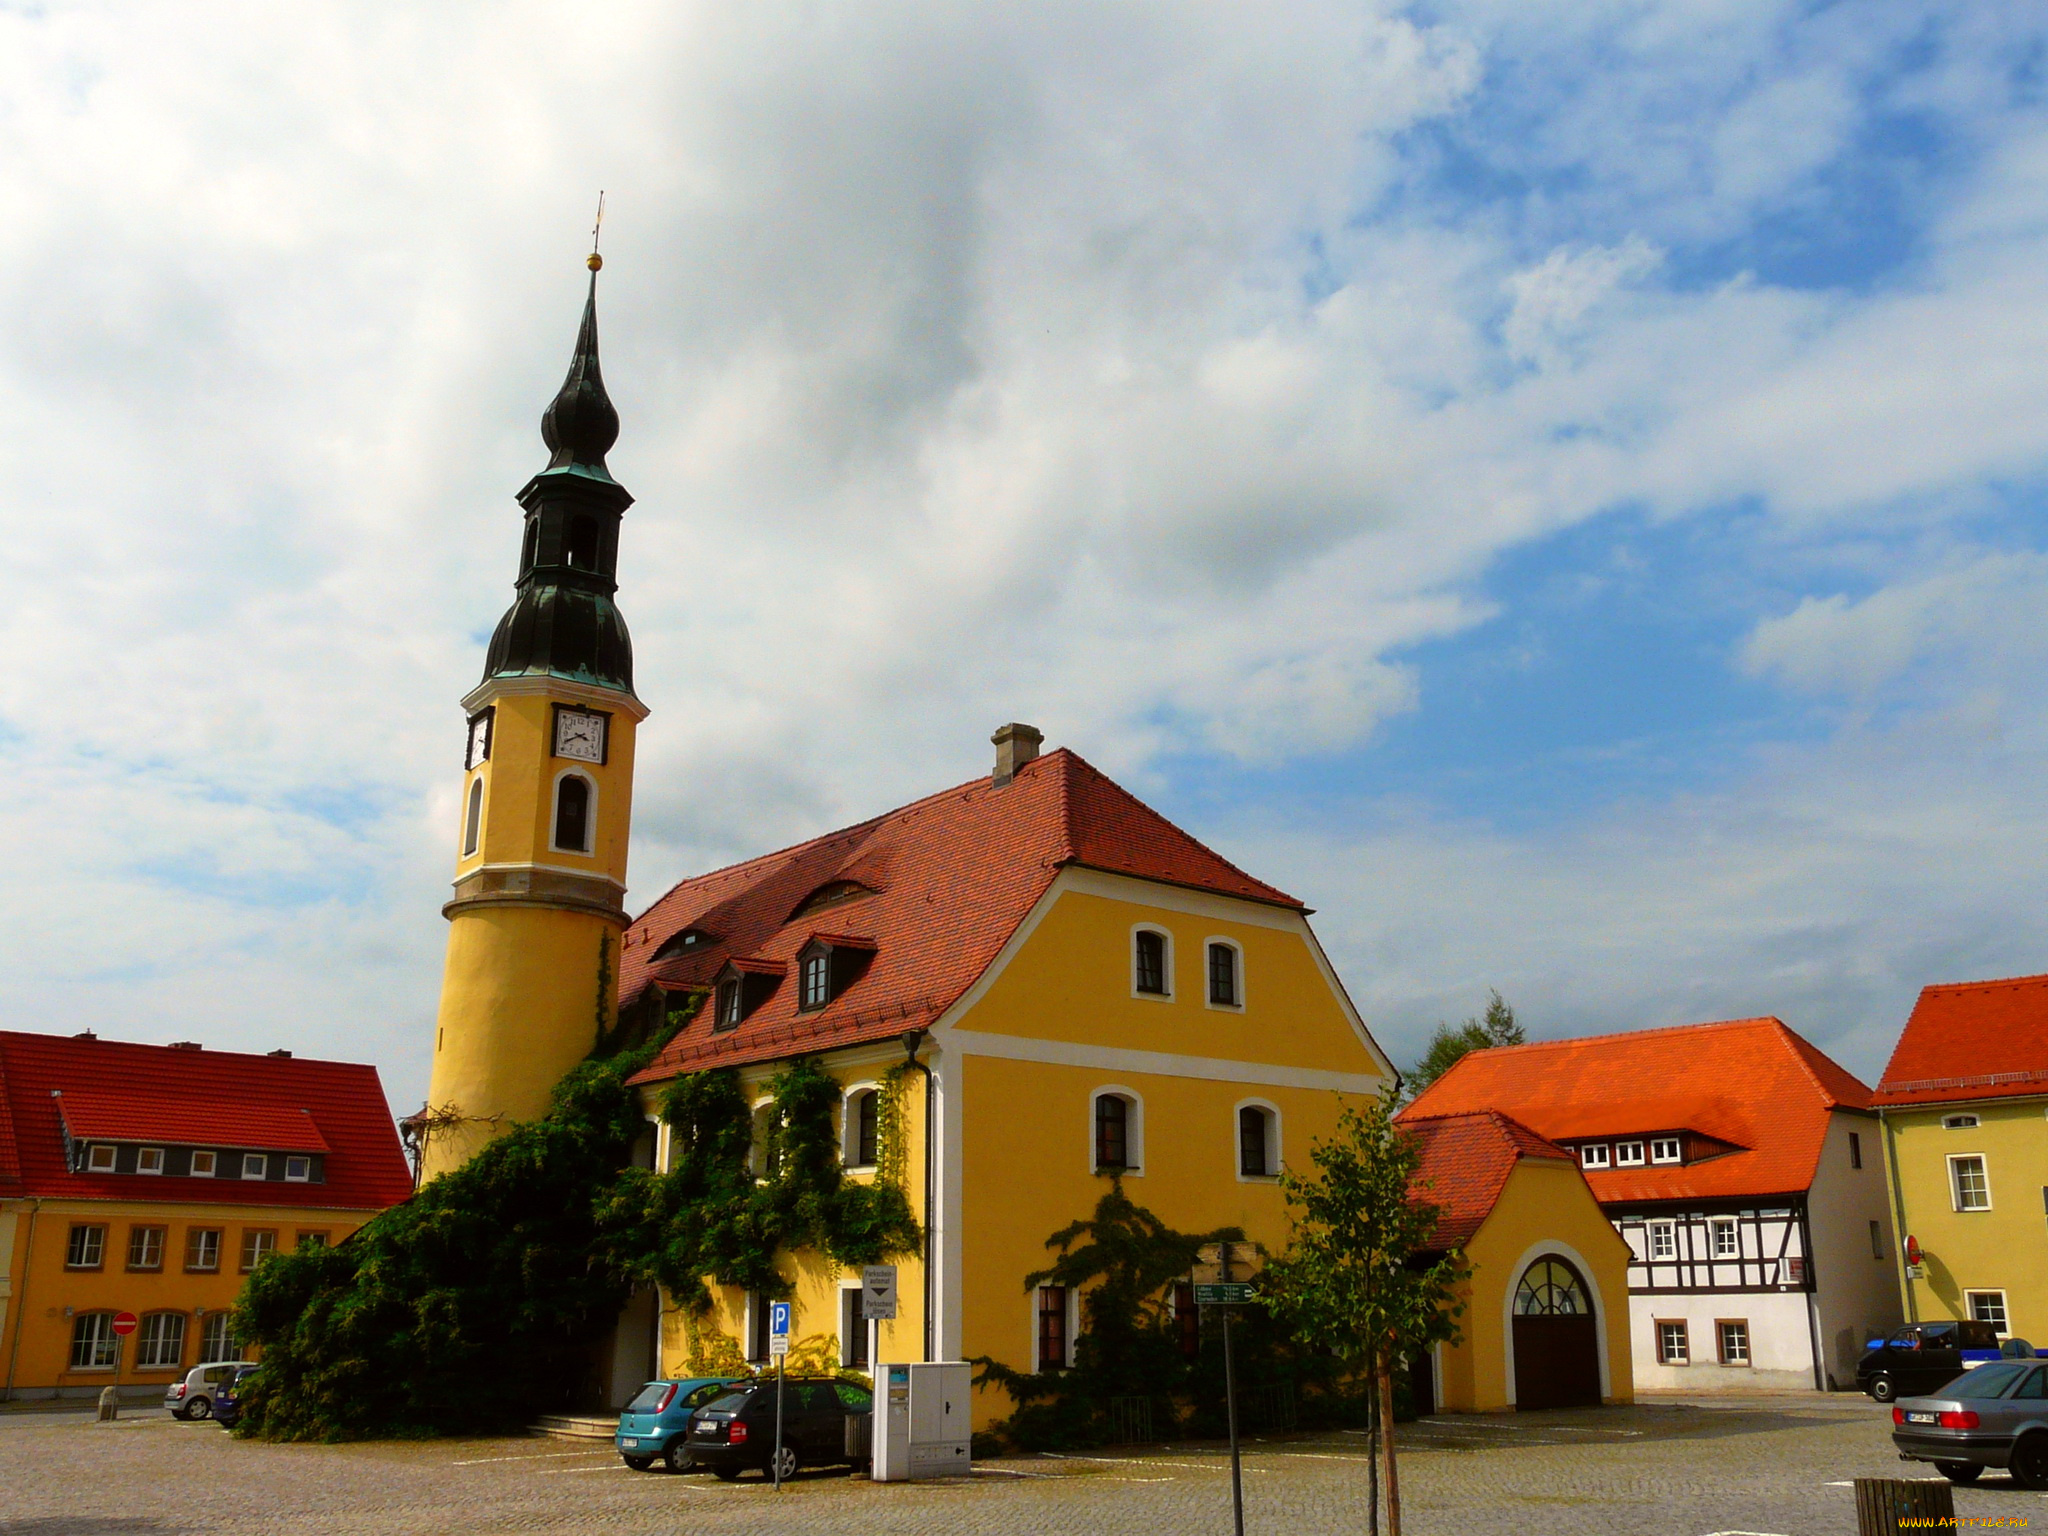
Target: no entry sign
{"x": 124, "y": 1323}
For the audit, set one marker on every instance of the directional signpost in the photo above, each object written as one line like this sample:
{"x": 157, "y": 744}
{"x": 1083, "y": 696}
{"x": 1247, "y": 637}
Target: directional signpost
{"x": 778, "y": 1349}
{"x": 877, "y": 1303}
{"x": 1214, "y": 1287}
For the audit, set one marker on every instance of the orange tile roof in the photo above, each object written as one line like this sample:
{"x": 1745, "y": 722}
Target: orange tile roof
{"x": 120, "y": 1090}
{"x": 1752, "y": 1083}
{"x": 1971, "y": 1040}
{"x": 951, "y": 877}
{"x": 1465, "y": 1162}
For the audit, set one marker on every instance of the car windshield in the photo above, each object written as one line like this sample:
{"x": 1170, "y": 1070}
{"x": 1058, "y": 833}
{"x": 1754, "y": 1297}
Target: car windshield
{"x": 732, "y": 1402}
{"x": 705, "y": 1394}
{"x": 649, "y": 1399}
{"x": 1986, "y": 1381}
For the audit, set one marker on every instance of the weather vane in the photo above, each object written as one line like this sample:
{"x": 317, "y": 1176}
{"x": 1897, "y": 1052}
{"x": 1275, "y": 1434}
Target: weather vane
{"x": 596, "y": 261}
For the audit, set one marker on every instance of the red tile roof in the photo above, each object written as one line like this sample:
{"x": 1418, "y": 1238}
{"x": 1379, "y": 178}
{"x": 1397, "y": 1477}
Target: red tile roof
{"x": 1464, "y": 1164}
{"x": 1752, "y": 1083}
{"x": 126, "y": 1091}
{"x": 1971, "y": 1040}
{"x": 952, "y": 875}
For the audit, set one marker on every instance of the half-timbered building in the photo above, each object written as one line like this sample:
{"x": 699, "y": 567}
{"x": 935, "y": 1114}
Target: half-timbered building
{"x": 1742, "y": 1166}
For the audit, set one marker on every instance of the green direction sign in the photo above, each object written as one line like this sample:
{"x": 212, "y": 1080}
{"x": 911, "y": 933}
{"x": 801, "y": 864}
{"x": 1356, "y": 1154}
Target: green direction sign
{"x": 1228, "y": 1294}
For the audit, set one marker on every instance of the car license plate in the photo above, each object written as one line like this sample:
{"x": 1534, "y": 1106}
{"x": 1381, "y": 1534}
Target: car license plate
{"x": 1919, "y": 1418}
{"x": 631, "y": 1445}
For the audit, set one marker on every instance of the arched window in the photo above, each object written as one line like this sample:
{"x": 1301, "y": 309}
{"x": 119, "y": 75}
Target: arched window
{"x": 532, "y": 545}
{"x": 1226, "y": 990}
{"x": 1550, "y": 1288}
{"x": 1148, "y": 962}
{"x": 1257, "y": 1150}
{"x": 473, "y": 818}
{"x": 863, "y": 1128}
{"x": 572, "y": 813}
{"x": 92, "y": 1341}
{"x": 1118, "y": 1128}
{"x": 767, "y": 1149}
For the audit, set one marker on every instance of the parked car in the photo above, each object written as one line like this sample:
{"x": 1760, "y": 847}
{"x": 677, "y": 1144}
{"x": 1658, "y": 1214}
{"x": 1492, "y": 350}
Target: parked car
{"x": 192, "y": 1397}
{"x": 656, "y": 1424}
{"x": 737, "y": 1430}
{"x": 1921, "y": 1357}
{"x": 1993, "y": 1416}
{"x": 227, "y": 1403}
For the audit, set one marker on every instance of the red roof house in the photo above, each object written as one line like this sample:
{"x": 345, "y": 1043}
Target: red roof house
{"x": 1971, "y": 1040}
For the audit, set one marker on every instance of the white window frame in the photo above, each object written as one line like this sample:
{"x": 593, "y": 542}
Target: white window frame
{"x": 1959, "y": 1122}
{"x": 555, "y": 844}
{"x": 1073, "y": 1325}
{"x": 1593, "y": 1154}
{"x": 212, "y": 1164}
{"x": 1167, "y": 962}
{"x": 1658, "y": 1154}
{"x": 1970, "y": 1301}
{"x": 1748, "y": 1360}
{"x": 1955, "y": 1183}
{"x": 101, "y": 1157}
{"x": 305, "y": 1173}
{"x": 1658, "y": 1325}
{"x": 761, "y": 1121}
{"x": 256, "y": 1165}
{"x": 150, "y": 1359}
{"x": 1668, "y": 1230}
{"x": 1273, "y": 1161}
{"x": 1628, "y": 1154}
{"x": 103, "y": 1342}
{"x": 1716, "y": 1225}
{"x": 1134, "y": 1129}
{"x": 149, "y": 1160}
{"x": 1236, "y": 950}
{"x": 849, "y": 1124}
{"x": 217, "y": 1340}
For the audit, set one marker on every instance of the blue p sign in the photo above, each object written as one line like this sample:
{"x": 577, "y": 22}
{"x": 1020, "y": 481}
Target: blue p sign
{"x": 778, "y": 1318}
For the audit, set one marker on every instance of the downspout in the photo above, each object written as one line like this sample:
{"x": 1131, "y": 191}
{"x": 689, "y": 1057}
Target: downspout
{"x": 913, "y": 1042}
{"x": 28, "y": 1254}
{"x": 1891, "y": 1159}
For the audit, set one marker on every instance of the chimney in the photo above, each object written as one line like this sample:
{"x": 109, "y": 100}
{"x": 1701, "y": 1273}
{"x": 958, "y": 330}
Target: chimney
{"x": 1016, "y": 745}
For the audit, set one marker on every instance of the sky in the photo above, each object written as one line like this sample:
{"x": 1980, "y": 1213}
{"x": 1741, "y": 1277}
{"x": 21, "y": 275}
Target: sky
{"x": 1561, "y": 486}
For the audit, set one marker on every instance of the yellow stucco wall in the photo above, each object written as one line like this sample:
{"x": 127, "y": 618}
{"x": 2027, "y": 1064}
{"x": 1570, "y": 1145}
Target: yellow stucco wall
{"x": 519, "y": 781}
{"x": 1545, "y": 1206}
{"x": 1999, "y": 1249}
{"x": 35, "y": 1348}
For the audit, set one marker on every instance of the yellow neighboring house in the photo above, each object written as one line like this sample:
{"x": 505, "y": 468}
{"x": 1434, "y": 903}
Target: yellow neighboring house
{"x": 1964, "y": 1104}
{"x": 140, "y": 1184}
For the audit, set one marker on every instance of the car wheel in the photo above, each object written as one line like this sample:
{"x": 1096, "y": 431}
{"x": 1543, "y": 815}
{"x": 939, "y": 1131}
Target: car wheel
{"x": 785, "y": 1463}
{"x": 638, "y": 1463}
{"x": 2030, "y": 1461}
{"x": 677, "y": 1456}
{"x": 724, "y": 1473}
{"x": 1882, "y": 1389}
{"x": 1959, "y": 1471}
{"x": 180, "y": 1413}
{"x": 200, "y": 1409}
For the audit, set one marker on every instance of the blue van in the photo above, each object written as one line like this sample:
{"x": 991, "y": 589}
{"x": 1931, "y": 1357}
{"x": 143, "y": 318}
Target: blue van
{"x": 656, "y": 1424}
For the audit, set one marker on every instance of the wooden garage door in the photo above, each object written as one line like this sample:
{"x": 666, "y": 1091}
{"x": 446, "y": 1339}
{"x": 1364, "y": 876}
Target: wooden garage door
{"x": 1556, "y": 1343}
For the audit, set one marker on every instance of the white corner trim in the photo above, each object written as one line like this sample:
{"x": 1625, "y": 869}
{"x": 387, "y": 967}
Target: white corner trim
{"x": 1530, "y": 1255}
{"x": 1102, "y": 1058}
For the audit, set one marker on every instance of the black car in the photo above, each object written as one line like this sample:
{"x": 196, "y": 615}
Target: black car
{"x": 729, "y": 1434}
{"x": 1920, "y": 1357}
{"x": 227, "y": 1401}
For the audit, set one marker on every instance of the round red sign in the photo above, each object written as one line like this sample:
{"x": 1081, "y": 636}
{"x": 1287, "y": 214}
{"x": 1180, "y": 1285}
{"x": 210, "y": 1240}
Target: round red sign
{"x": 124, "y": 1323}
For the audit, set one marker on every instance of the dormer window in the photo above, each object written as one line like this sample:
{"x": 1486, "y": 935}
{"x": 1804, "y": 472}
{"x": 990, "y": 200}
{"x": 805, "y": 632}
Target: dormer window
{"x": 741, "y": 987}
{"x": 817, "y": 978}
{"x": 689, "y": 942}
{"x": 728, "y": 1015}
{"x": 1593, "y": 1155}
{"x": 830, "y": 894}
{"x": 827, "y": 966}
{"x": 150, "y": 1160}
{"x": 1666, "y": 1149}
{"x": 99, "y": 1159}
{"x": 1628, "y": 1154}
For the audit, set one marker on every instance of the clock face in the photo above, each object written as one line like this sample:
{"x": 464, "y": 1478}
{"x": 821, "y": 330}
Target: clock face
{"x": 479, "y": 740}
{"x": 579, "y": 735}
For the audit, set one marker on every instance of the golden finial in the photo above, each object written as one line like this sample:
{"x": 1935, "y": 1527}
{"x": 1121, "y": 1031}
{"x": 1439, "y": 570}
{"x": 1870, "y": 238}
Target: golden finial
{"x": 596, "y": 262}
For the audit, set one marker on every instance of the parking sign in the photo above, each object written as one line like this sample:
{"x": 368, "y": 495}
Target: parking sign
{"x": 778, "y": 1328}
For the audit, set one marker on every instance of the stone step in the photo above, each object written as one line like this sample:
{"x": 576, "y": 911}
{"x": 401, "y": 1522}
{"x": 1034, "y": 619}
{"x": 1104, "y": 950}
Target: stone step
{"x": 576, "y": 1426}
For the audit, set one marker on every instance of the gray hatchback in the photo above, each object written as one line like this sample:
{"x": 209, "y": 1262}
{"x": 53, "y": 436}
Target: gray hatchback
{"x": 1994, "y": 1416}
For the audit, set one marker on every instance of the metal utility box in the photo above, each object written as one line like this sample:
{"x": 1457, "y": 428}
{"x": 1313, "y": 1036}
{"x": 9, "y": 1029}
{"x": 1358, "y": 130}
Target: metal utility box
{"x": 923, "y": 1420}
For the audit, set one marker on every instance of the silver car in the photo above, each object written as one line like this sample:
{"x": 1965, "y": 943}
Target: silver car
{"x": 192, "y": 1396}
{"x": 1993, "y": 1416}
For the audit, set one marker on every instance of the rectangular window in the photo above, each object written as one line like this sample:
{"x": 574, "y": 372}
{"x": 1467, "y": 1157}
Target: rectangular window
{"x": 1663, "y": 1241}
{"x": 1876, "y": 1240}
{"x": 99, "y": 1160}
{"x": 1593, "y": 1155}
{"x": 757, "y": 1326}
{"x": 1223, "y": 975}
{"x": 218, "y": 1341}
{"x": 817, "y": 980}
{"x": 1988, "y": 1307}
{"x": 1732, "y": 1335}
{"x": 92, "y": 1341}
{"x": 1671, "y": 1344}
{"x": 255, "y": 1165}
{"x": 867, "y": 1128}
{"x": 1112, "y": 1131}
{"x": 87, "y": 1249}
{"x": 258, "y": 1244}
{"x": 1971, "y": 1187}
{"x": 1666, "y": 1149}
{"x": 298, "y": 1170}
{"x": 150, "y": 1160}
{"x": 312, "y": 1239}
{"x": 1052, "y": 1327}
{"x": 1628, "y": 1154}
{"x": 202, "y": 1250}
{"x": 1959, "y": 1122}
{"x": 853, "y": 1330}
{"x": 203, "y": 1164}
{"x": 1855, "y": 1150}
{"x": 1150, "y": 953}
{"x": 161, "y": 1344}
{"x": 1727, "y": 1240}
{"x": 728, "y": 1005}
{"x": 145, "y": 1247}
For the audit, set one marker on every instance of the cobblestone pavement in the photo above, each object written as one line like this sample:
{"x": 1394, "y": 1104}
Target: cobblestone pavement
{"x": 1767, "y": 1466}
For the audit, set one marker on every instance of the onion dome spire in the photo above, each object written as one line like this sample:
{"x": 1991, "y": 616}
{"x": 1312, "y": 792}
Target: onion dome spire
{"x": 580, "y": 425}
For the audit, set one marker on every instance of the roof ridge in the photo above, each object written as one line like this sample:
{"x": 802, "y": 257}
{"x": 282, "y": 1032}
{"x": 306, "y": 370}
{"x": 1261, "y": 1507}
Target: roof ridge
{"x": 1631, "y": 1034}
{"x": 210, "y": 1052}
{"x": 1989, "y": 981}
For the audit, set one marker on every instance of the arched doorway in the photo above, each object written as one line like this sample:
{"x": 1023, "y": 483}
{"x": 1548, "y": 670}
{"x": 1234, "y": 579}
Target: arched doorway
{"x": 1557, "y": 1344}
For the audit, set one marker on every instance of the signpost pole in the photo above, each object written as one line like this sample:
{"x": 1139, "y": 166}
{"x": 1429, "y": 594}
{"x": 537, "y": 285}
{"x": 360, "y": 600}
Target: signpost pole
{"x": 778, "y": 1421}
{"x": 778, "y": 1346}
{"x": 1230, "y": 1400}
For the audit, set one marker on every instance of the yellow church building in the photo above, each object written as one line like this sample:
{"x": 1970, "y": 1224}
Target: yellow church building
{"x": 1038, "y": 982}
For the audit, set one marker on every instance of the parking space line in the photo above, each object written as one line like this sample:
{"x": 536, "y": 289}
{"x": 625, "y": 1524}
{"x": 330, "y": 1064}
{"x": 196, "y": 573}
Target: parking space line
{"x": 564, "y": 1471}
{"x": 484, "y": 1461}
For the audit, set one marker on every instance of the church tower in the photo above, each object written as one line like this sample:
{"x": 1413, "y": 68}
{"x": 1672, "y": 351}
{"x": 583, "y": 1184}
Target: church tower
{"x": 547, "y": 798}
